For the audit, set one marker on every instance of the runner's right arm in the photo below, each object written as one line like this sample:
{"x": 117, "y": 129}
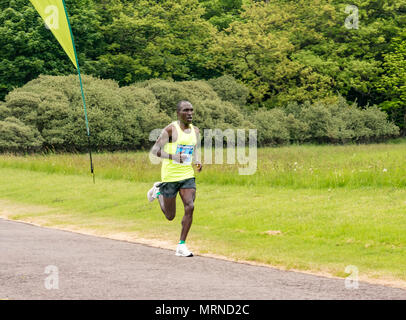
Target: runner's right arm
{"x": 163, "y": 139}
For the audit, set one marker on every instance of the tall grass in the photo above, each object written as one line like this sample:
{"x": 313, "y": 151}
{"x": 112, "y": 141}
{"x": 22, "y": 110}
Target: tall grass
{"x": 306, "y": 166}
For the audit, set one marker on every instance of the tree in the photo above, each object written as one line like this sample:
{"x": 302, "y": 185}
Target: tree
{"x": 149, "y": 39}
{"x": 259, "y": 51}
{"x": 28, "y": 49}
{"x": 300, "y": 50}
{"x": 221, "y": 12}
{"x": 393, "y": 83}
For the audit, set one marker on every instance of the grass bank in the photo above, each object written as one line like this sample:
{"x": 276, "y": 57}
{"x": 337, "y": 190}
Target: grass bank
{"x": 316, "y": 167}
{"x": 313, "y": 229}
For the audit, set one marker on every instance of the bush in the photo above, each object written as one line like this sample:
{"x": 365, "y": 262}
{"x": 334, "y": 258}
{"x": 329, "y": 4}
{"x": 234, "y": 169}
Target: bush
{"x": 210, "y": 111}
{"x": 354, "y": 120}
{"x": 119, "y": 118}
{"x": 23, "y": 106}
{"x": 212, "y": 114}
{"x": 333, "y": 121}
{"x": 298, "y": 130}
{"x": 15, "y": 136}
{"x": 228, "y": 89}
{"x": 376, "y": 120}
{"x": 340, "y": 123}
{"x": 319, "y": 121}
{"x": 168, "y": 93}
{"x": 48, "y": 114}
{"x": 271, "y": 126}
{"x": 141, "y": 115}
{"x": 4, "y": 111}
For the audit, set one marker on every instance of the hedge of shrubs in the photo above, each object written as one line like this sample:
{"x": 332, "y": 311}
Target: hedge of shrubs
{"x": 323, "y": 122}
{"x": 47, "y": 114}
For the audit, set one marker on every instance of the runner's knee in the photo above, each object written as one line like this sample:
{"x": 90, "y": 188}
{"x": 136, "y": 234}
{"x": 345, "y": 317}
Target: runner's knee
{"x": 170, "y": 215}
{"x": 189, "y": 207}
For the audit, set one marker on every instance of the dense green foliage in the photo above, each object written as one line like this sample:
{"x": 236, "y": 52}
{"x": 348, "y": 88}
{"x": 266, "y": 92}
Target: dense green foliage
{"x": 393, "y": 82}
{"x": 15, "y": 136}
{"x": 301, "y": 50}
{"x": 47, "y": 113}
{"x": 120, "y": 118}
{"x": 221, "y": 12}
{"x": 335, "y": 122}
{"x": 281, "y": 52}
{"x": 149, "y": 39}
{"x": 28, "y": 49}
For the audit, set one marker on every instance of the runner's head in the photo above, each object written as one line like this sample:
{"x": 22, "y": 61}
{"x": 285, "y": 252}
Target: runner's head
{"x": 185, "y": 112}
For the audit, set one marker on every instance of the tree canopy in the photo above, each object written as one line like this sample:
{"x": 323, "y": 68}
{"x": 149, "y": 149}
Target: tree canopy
{"x": 282, "y": 51}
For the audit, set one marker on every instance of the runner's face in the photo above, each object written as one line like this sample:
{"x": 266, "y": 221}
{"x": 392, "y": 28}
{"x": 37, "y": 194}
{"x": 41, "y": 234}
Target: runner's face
{"x": 185, "y": 113}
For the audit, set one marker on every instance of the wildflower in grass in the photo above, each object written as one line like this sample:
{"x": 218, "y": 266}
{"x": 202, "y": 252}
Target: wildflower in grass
{"x": 385, "y": 170}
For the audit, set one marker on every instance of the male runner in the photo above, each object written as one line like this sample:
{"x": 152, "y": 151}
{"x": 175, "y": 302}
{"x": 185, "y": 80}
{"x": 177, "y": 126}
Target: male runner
{"x": 177, "y": 146}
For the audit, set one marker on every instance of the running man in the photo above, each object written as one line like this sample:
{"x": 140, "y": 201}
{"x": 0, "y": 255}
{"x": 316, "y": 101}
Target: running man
{"x": 177, "y": 146}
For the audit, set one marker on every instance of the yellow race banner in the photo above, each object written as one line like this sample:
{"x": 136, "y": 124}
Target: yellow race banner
{"x": 54, "y": 14}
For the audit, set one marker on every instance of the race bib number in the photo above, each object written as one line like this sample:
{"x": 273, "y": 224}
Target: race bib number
{"x": 186, "y": 150}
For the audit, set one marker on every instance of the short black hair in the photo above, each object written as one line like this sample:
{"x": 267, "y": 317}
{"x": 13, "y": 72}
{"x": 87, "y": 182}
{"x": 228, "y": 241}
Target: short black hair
{"x": 180, "y": 103}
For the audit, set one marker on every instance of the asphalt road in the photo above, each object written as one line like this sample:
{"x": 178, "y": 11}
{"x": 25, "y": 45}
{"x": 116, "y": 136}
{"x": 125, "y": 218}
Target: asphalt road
{"x": 43, "y": 263}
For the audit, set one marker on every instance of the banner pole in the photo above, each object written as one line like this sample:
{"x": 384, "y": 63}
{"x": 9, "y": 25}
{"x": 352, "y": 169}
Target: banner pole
{"x": 81, "y": 89}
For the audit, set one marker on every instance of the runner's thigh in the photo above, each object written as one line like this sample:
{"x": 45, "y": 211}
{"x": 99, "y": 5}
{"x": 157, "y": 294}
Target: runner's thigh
{"x": 188, "y": 196}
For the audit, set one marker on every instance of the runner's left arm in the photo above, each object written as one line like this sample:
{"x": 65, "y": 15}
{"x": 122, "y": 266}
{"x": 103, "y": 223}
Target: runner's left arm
{"x": 196, "y": 151}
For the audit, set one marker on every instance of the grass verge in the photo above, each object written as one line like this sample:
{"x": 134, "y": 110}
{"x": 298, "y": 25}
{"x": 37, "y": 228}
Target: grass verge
{"x": 309, "y": 229}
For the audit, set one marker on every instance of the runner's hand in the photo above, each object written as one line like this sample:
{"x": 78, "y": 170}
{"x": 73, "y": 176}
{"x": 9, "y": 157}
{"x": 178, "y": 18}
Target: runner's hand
{"x": 179, "y": 157}
{"x": 199, "y": 166}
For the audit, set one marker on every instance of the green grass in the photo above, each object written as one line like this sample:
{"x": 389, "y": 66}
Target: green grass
{"x": 352, "y": 166}
{"x": 348, "y": 211}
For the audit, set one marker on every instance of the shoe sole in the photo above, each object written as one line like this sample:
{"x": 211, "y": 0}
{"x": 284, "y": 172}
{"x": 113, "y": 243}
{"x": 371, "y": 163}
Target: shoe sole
{"x": 150, "y": 200}
{"x": 155, "y": 185}
{"x": 182, "y": 255}
{"x": 153, "y": 198}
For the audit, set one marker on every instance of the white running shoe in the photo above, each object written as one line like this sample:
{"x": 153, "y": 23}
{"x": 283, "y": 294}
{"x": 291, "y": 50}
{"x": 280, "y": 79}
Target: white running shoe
{"x": 152, "y": 193}
{"x": 183, "y": 251}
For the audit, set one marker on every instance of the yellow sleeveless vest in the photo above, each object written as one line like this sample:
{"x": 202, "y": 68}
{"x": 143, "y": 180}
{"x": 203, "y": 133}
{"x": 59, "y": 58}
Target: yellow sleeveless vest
{"x": 171, "y": 170}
